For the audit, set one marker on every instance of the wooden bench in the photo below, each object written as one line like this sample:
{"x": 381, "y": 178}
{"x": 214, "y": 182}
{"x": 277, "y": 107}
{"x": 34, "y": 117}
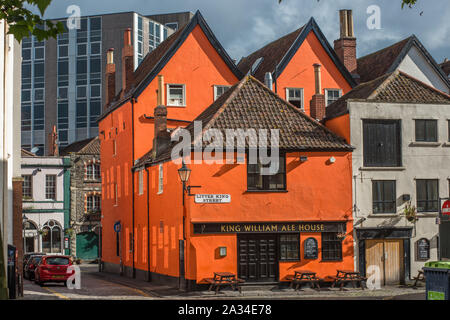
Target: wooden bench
{"x": 343, "y": 276}
{"x": 420, "y": 277}
{"x": 222, "y": 279}
{"x": 301, "y": 277}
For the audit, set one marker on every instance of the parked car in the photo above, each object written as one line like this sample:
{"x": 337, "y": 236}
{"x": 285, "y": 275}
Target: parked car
{"x": 52, "y": 268}
{"x": 31, "y": 266}
{"x": 27, "y": 257}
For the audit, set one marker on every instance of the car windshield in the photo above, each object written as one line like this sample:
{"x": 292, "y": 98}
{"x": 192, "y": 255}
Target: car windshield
{"x": 36, "y": 260}
{"x": 57, "y": 261}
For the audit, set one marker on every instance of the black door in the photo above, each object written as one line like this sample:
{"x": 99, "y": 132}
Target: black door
{"x": 257, "y": 260}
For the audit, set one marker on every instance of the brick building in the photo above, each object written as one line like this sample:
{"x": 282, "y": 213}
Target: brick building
{"x": 85, "y": 197}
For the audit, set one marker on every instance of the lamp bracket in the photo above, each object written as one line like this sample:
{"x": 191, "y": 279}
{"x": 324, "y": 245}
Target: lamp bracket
{"x": 188, "y": 188}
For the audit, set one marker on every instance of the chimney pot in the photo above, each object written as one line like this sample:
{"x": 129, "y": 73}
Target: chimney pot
{"x": 110, "y": 77}
{"x": 318, "y": 78}
{"x": 127, "y": 63}
{"x": 268, "y": 80}
{"x": 345, "y": 46}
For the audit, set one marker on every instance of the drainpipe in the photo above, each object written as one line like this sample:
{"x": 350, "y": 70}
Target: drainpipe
{"x": 132, "y": 179}
{"x": 148, "y": 224}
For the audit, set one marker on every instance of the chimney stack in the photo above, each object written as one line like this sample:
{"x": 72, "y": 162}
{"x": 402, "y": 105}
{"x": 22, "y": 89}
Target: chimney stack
{"x": 127, "y": 63}
{"x": 110, "y": 77}
{"x": 317, "y": 103}
{"x": 345, "y": 46}
{"x": 160, "y": 96}
{"x": 268, "y": 80}
{"x": 161, "y": 140}
{"x": 53, "y": 143}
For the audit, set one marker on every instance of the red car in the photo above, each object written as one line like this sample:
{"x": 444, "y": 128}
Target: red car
{"x": 53, "y": 269}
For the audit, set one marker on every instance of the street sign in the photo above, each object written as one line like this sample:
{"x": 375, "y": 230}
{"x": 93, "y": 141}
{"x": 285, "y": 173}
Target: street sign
{"x": 446, "y": 208}
{"x": 212, "y": 198}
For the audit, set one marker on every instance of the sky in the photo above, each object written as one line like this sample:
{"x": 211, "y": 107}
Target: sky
{"x": 243, "y": 26}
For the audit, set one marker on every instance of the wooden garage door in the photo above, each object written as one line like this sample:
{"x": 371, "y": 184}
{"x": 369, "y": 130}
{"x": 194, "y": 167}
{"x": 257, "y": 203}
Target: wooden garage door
{"x": 388, "y": 256}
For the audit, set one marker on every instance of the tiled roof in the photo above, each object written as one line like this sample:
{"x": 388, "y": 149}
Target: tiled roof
{"x": 251, "y": 105}
{"x": 446, "y": 67}
{"x": 379, "y": 63}
{"x": 272, "y": 54}
{"x": 396, "y": 87}
{"x": 88, "y": 146}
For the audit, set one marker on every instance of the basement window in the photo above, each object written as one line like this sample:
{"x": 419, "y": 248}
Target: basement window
{"x": 176, "y": 95}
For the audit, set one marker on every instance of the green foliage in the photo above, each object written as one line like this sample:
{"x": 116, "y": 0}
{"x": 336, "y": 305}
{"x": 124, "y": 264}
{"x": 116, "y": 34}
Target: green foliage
{"x": 23, "y": 23}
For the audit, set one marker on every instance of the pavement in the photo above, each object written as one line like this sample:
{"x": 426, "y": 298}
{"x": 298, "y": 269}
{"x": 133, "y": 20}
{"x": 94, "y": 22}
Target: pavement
{"x": 107, "y": 286}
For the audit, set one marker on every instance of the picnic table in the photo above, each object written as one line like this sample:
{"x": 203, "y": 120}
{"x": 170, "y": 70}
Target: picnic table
{"x": 420, "y": 277}
{"x": 221, "y": 279}
{"x": 305, "y": 276}
{"x": 344, "y": 276}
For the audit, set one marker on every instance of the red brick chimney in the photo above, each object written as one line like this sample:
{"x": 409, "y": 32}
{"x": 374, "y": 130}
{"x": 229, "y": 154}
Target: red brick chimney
{"x": 53, "y": 149}
{"x": 110, "y": 77}
{"x": 161, "y": 139}
{"x": 345, "y": 46}
{"x": 317, "y": 103}
{"x": 127, "y": 63}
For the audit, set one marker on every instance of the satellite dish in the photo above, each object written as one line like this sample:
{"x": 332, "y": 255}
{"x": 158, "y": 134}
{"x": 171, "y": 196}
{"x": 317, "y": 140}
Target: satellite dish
{"x": 35, "y": 149}
{"x": 256, "y": 65}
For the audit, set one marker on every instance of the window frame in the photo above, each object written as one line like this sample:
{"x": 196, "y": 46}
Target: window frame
{"x": 326, "y": 95}
{"x": 168, "y": 87}
{"x": 324, "y": 243}
{"x": 265, "y": 178}
{"x": 30, "y": 186}
{"x": 368, "y": 153}
{"x": 302, "y": 97}
{"x": 54, "y": 186}
{"x": 384, "y": 201}
{"x": 160, "y": 178}
{"x": 426, "y": 138}
{"x": 427, "y": 201}
{"x": 216, "y": 87}
{"x": 281, "y": 242}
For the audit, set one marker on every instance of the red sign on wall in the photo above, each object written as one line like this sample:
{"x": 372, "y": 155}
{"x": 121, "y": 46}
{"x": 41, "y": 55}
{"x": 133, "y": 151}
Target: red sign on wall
{"x": 446, "y": 208}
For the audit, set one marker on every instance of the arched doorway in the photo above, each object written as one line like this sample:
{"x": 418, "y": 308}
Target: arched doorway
{"x": 30, "y": 236}
{"x": 52, "y": 237}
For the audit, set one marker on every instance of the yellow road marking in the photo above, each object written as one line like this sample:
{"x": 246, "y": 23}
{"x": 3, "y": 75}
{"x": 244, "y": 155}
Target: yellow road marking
{"x": 59, "y": 295}
{"x": 142, "y": 293}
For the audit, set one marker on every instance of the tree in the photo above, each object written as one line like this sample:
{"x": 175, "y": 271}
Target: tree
{"x": 408, "y": 3}
{"x": 23, "y": 22}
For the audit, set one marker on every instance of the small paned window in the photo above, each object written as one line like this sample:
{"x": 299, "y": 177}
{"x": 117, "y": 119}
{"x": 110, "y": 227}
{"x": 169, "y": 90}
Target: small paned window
{"x": 384, "y": 197}
{"x": 50, "y": 187}
{"x": 295, "y": 96}
{"x": 426, "y": 131}
{"x": 331, "y": 247}
{"x": 427, "y": 195}
{"x": 289, "y": 247}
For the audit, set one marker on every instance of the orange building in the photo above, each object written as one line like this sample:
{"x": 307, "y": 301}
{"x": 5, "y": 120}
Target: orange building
{"x": 300, "y": 218}
{"x": 288, "y": 62}
{"x": 233, "y": 218}
{"x": 196, "y": 70}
